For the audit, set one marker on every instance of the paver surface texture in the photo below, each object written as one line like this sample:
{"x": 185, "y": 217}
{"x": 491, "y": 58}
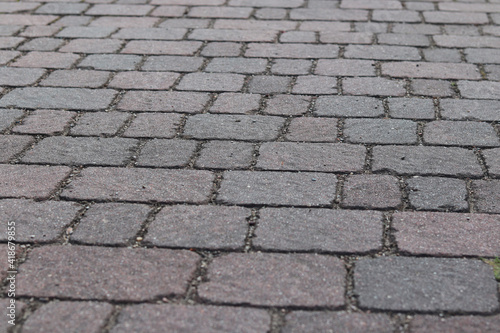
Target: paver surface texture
{"x": 249, "y": 166}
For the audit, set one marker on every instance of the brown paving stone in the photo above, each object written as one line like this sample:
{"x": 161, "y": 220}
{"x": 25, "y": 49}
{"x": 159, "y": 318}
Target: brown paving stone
{"x": 343, "y": 322}
{"x": 166, "y": 153}
{"x": 208, "y": 227}
{"x": 325, "y": 157}
{"x": 225, "y": 155}
{"x": 447, "y": 234}
{"x": 30, "y": 181}
{"x": 157, "y": 125}
{"x": 141, "y": 185}
{"x": 144, "y": 80}
{"x": 76, "y": 272}
{"x": 287, "y": 105}
{"x": 110, "y": 223}
{"x": 11, "y": 145}
{"x": 492, "y": 158}
{"x": 292, "y": 229}
{"x": 60, "y": 317}
{"x": 371, "y": 191}
{"x": 145, "y": 318}
{"x": 45, "y": 122}
{"x": 236, "y": 103}
{"x": 437, "y": 193}
{"x": 20, "y": 76}
{"x": 472, "y": 324}
{"x": 277, "y": 188}
{"x": 425, "y": 284}
{"x": 99, "y": 123}
{"x": 37, "y": 221}
{"x": 312, "y": 129}
{"x": 487, "y": 195}
{"x": 295, "y": 279}
{"x": 167, "y": 101}
{"x": 460, "y": 133}
{"x": 76, "y": 78}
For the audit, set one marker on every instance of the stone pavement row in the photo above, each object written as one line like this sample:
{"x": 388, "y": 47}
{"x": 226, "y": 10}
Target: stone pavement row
{"x": 251, "y": 165}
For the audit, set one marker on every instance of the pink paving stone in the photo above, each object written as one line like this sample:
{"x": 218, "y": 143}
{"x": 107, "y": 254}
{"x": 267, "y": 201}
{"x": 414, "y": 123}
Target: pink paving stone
{"x": 25, "y": 19}
{"x": 375, "y": 86}
{"x": 487, "y": 195}
{"x": 11, "y": 145}
{"x": 162, "y": 47}
{"x": 47, "y": 60}
{"x": 156, "y": 125}
{"x": 125, "y": 22}
{"x": 60, "y": 317}
{"x": 30, "y": 181}
{"x": 275, "y": 280}
{"x": 447, "y": 234}
{"x": 85, "y": 45}
{"x": 119, "y": 10}
{"x": 431, "y": 70}
{"x": 312, "y": 129}
{"x": 371, "y": 192}
{"x": 48, "y": 122}
{"x": 144, "y": 80}
{"x": 236, "y": 103}
{"x": 211, "y": 82}
{"x": 190, "y": 102}
{"x": 287, "y": 105}
{"x": 141, "y": 185}
{"x": 131, "y": 274}
{"x": 470, "y": 324}
{"x": 345, "y": 67}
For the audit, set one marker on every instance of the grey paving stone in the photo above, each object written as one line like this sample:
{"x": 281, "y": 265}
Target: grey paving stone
{"x": 373, "y": 86}
{"x": 269, "y": 84}
{"x": 411, "y": 108}
{"x": 460, "y": 133}
{"x": 173, "y": 63}
{"x": 216, "y": 82}
{"x": 380, "y": 131}
{"x": 436, "y": 193}
{"x": 293, "y": 229}
{"x": 484, "y": 324}
{"x": 348, "y": 106}
{"x": 425, "y": 284}
{"x": 233, "y": 127}
{"x": 275, "y": 280}
{"x": 315, "y": 85}
{"x": 289, "y": 105}
{"x": 225, "y": 155}
{"x": 154, "y": 125}
{"x": 487, "y": 195}
{"x": 150, "y": 33}
{"x": 442, "y": 55}
{"x": 85, "y": 32}
{"x": 371, "y": 192}
{"x": 81, "y": 151}
{"x": 237, "y": 65}
{"x": 166, "y": 153}
{"x": 111, "y": 61}
{"x": 431, "y": 88}
{"x": 11, "y": 145}
{"x": 37, "y": 222}
{"x": 291, "y": 66}
{"x": 19, "y": 76}
{"x": 6, "y": 56}
{"x": 47, "y": 122}
{"x": 165, "y": 101}
{"x": 236, "y": 103}
{"x": 462, "y": 109}
{"x": 382, "y": 52}
{"x": 345, "y": 67}
{"x": 312, "y": 129}
{"x": 293, "y": 51}
{"x": 99, "y": 123}
{"x": 479, "y": 90}
{"x": 62, "y": 8}
{"x": 273, "y": 188}
{"x": 41, "y": 44}
{"x": 76, "y": 78}
{"x": 203, "y": 227}
{"x": 492, "y": 158}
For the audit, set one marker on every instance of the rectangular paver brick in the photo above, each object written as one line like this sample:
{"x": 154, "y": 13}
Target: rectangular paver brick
{"x": 166, "y": 153}
{"x": 374, "y": 86}
{"x": 236, "y": 103}
{"x": 382, "y": 52}
{"x": 237, "y": 65}
{"x": 48, "y": 122}
{"x": 11, "y": 145}
{"x": 150, "y": 33}
{"x": 165, "y": 101}
{"x": 287, "y": 105}
{"x": 220, "y": 12}
{"x": 458, "y": 109}
{"x": 319, "y": 14}
{"x": 211, "y": 82}
{"x": 225, "y": 155}
{"x": 62, "y": 8}
{"x": 291, "y": 51}
{"x": 111, "y": 61}
{"x": 492, "y": 157}
{"x": 312, "y": 129}
{"x": 46, "y": 60}
{"x": 8, "y": 117}
{"x": 437, "y": 193}
{"x": 315, "y": 85}
{"x": 432, "y": 88}
{"x": 162, "y": 47}
{"x": 411, "y": 108}
{"x": 454, "y": 17}
{"x": 348, "y": 106}
{"x": 486, "y": 324}
{"x": 380, "y": 131}
{"x": 395, "y": 16}
{"x": 431, "y": 70}
{"x": 86, "y": 32}
{"x": 467, "y": 41}
{"x": 119, "y": 10}
{"x": 267, "y": 84}
{"x": 144, "y": 80}
{"x": 125, "y": 22}
{"x": 76, "y": 78}
{"x": 99, "y": 123}
{"x": 487, "y": 195}
{"x": 291, "y": 67}
{"x": 26, "y": 19}
{"x": 371, "y": 192}
{"x": 154, "y": 125}
{"x": 173, "y": 63}
{"x": 479, "y": 90}
{"x": 233, "y": 35}
{"x": 460, "y": 133}
{"x": 371, "y": 4}
{"x": 20, "y": 76}
{"x": 88, "y": 45}
{"x": 345, "y": 67}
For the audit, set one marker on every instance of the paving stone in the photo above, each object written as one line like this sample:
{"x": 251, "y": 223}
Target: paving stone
{"x": 403, "y": 39}
{"x": 447, "y": 234}
{"x": 233, "y": 127}
{"x": 30, "y": 181}
{"x": 150, "y": 33}
{"x": 87, "y": 45}
{"x": 431, "y": 70}
{"x": 37, "y": 222}
{"x": 298, "y": 37}
{"x": 190, "y": 102}
{"x": 162, "y": 47}
{"x": 411, "y": 108}
{"x": 4, "y": 303}
{"x": 125, "y": 22}
{"x": 374, "y": 86}
{"x": 6, "y": 56}
{"x": 76, "y": 78}
{"x": 425, "y": 284}
{"x": 59, "y": 317}
{"x": 312, "y": 129}
{"x": 11, "y": 145}
{"x": 302, "y": 321}
{"x": 347, "y": 106}
{"x": 325, "y": 157}
{"x": 62, "y": 8}
{"x": 280, "y": 25}
{"x": 111, "y": 61}
{"x": 442, "y": 55}
{"x": 46, "y": 60}
{"x": 484, "y": 324}
{"x": 144, "y": 80}
{"x": 45, "y": 122}
{"x": 466, "y": 41}
{"x": 483, "y": 56}
{"x": 189, "y": 2}
{"x": 10, "y": 42}
{"x": 299, "y": 51}
{"x": 8, "y": 117}
{"x": 324, "y": 25}
{"x": 371, "y": 191}
{"x": 231, "y": 35}
{"x": 169, "y": 11}
{"x": 17, "y": 7}
{"x": 9, "y": 30}
{"x": 460, "y": 133}
{"x": 225, "y": 155}
{"x": 72, "y": 20}
{"x": 380, "y": 131}
{"x": 267, "y": 3}
{"x": 272, "y": 188}
{"x": 41, "y": 44}
{"x": 287, "y": 105}
{"x": 40, "y": 31}
{"x": 20, "y": 76}
{"x": 459, "y": 18}
{"x": 459, "y": 109}
{"x": 374, "y": 27}
{"x": 110, "y": 223}
{"x": 487, "y": 195}
{"x": 220, "y": 12}
{"x": 166, "y": 153}
{"x": 211, "y": 82}
{"x": 461, "y": 30}
{"x": 492, "y": 157}
{"x": 81, "y": 151}
{"x": 221, "y": 49}
{"x": 141, "y": 185}
{"x": 345, "y": 67}
{"x": 346, "y": 37}
{"x": 269, "y": 84}
{"x": 492, "y": 72}
{"x": 295, "y": 279}
{"x": 396, "y": 16}
{"x": 86, "y": 32}
{"x": 372, "y": 4}
{"x": 236, "y": 103}
{"x": 25, "y": 19}
{"x": 432, "y": 88}
{"x": 154, "y": 125}
{"x": 99, "y": 123}
{"x": 201, "y": 227}
{"x": 63, "y": 98}
{"x": 435, "y": 193}
{"x": 328, "y": 14}
{"x": 270, "y": 13}
{"x": 119, "y": 10}
{"x": 173, "y": 63}
{"x": 480, "y": 90}
{"x": 76, "y": 271}
{"x": 317, "y": 85}
{"x": 237, "y": 65}
{"x": 211, "y": 319}
{"x": 293, "y": 229}
{"x": 430, "y": 161}
{"x": 478, "y": 7}
{"x": 382, "y": 52}
{"x": 291, "y": 67}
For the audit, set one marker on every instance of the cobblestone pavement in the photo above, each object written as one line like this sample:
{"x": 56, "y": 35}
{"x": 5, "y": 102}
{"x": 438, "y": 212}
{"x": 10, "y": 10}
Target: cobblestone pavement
{"x": 250, "y": 165}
